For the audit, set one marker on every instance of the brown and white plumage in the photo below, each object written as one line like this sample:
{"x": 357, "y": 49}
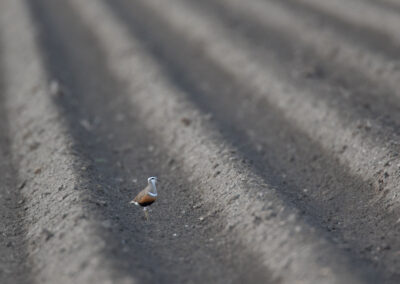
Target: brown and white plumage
{"x": 143, "y": 198}
{"x": 147, "y": 196}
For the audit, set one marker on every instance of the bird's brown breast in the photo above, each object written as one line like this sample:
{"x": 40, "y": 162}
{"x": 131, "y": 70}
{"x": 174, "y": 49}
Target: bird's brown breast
{"x": 145, "y": 200}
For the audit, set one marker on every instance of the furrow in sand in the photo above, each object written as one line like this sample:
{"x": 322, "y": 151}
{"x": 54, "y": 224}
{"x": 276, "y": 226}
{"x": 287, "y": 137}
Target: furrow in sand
{"x": 324, "y": 187}
{"x": 374, "y": 40}
{"x": 369, "y": 150}
{"x": 332, "y": 44}
{"x": 365, "y": 100}
{"x": 369, "y": 136}
{"x": 62, "y": 244}
{"x": 181, "y": 242}
{"x": 361, "y": 13}
{"x": 299, "y": 252}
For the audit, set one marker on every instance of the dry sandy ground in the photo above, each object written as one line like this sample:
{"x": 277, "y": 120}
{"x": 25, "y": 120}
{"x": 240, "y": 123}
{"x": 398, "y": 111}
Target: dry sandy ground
{"x": 273, "y": 126}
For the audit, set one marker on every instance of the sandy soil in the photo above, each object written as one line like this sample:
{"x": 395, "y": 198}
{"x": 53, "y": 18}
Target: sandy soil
{"x": 273, "y": 127}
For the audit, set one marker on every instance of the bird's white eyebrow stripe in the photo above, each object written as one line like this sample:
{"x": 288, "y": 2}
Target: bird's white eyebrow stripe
{"x": 152, "y": 194}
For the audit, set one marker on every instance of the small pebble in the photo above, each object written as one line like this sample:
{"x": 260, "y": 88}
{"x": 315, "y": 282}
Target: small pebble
{"x": 186, "y": 121}
{"x": 55, "y": 88}
{"x": 47, "y": 234}
{"x": 34, "y": 146}
{"x": 86, "y": 124}
{"x": 22, "y": 185}
{"x": 196, "y": 206}
{"x": 101, "y": 203}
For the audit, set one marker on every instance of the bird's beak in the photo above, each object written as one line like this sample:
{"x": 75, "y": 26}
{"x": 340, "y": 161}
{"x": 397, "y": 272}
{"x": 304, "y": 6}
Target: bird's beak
{"x": 132, "y": 202}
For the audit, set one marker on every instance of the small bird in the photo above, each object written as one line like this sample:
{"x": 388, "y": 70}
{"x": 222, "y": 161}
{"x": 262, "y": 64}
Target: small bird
{"x": 147, "y": 196}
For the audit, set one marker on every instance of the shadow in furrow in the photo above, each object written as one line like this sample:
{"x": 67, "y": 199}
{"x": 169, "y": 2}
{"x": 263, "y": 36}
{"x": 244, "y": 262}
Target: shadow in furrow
{"x": 364, "y": 100}
{"x": 119, "y": 155}
{"x": 14, "y": 266}
{"x": 375, "y": 40}
{"x": 310, "y": 178}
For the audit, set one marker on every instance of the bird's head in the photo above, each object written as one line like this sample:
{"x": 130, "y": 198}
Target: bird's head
{"x": 152, "y": 179}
